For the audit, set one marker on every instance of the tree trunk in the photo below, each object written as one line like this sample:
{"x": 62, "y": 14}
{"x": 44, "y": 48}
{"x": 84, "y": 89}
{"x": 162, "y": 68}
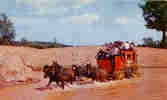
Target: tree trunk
{"x": 164, "y": 38}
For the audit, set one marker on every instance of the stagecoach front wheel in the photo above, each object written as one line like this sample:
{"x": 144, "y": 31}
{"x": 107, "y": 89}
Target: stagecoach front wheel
{"x": 121, "y": 75}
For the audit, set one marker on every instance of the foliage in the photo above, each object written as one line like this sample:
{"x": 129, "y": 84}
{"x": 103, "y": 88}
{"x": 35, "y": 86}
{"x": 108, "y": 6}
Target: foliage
{"x": 7, "y": 31}
{"x": 149, "y": 42}
{"x": 44, "y": 45}
{"x": 38, "y": 44}
{"x": 55, "y": 40}
{"x": 155, "y": 15}
{"x": 24, "y": 40}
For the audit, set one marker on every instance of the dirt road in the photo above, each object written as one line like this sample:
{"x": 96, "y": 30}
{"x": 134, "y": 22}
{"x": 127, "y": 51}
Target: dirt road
{"x": 152, "y": 85}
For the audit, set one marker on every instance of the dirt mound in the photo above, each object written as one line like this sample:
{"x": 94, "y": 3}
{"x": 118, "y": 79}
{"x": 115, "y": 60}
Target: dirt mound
{"x": 17, "y": 63}
{"x": 11, "y": 66}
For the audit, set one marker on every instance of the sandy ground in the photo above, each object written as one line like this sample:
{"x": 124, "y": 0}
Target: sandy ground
{"x": 19, "y": 82}
{"x": 152, "y": 57}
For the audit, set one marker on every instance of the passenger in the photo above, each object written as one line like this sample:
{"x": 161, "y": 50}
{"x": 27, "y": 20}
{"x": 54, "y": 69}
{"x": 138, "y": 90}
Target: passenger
{"x": 108, "y": 53}
{"x": 106, "y": 45}
{"x": 115, "y": 52}
{"x": 125, "y": 46}
{"x": 110, "y": 45}
{"x": 132, "y": 46}
{"x": 129, "y": 61}
{"x": 100, "y": 54}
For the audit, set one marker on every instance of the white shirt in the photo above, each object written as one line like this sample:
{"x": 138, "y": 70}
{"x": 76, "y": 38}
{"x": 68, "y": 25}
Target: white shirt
{"x": 126, "y": 45}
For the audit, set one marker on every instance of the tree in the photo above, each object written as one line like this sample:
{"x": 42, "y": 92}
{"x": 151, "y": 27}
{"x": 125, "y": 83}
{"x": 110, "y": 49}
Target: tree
{"x": 23, "y": 40}
{"x": 155, "y": 15}
{"x": 148, "y": 41}
{"x": 7, "y": 31}
{"x": 55, "y": 40}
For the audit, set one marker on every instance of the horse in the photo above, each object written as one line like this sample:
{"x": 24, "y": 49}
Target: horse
{"x": 57, "y": 74}
{"x": 68, "y": 70}
{"x": 80, "y": 71}
{"x": 96, "y": 73}
{"x": 92, "y": 72}
{"x": 77, "y": 71}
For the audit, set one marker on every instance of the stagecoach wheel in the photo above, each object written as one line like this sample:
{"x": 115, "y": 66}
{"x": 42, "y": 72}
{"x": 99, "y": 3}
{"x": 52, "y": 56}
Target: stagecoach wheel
{"x": 117, "y": 76}
{"x": 137, "y": 70}
{"x": 121, "y": 75}
{"x": 128, "y": 72}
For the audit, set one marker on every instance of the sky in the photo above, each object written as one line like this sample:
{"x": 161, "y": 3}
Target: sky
{"x": 78, "y": 22}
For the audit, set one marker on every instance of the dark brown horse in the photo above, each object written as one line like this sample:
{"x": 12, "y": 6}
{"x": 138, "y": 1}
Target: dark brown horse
{"x": 57, "y": 73}
{"x": 93, "y": 72}
{"x": 81, "y": 71}
{"x": 97, "y": 74}
{"x": 68, "y": 70}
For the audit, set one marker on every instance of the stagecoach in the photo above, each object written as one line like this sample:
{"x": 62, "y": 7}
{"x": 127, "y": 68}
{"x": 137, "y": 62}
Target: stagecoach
{"x": 124, "y": 66}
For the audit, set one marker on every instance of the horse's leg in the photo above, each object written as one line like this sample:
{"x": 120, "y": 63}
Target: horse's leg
{"x": 50, "y": 81}
{"x": 71, "y": 80}
{"x": 62, "y": 84}
{"x": 79, "y": 78}
{"x": 79, "y": 75}
{"x": 57, "y": 82}
{"x": 92, "y": 76}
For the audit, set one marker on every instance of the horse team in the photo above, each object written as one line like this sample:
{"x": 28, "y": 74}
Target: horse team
{"x": 60, "y": 75}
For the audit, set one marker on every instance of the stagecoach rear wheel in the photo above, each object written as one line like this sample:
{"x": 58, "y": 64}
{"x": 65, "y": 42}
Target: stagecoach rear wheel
{"x": 121, "y": 75}
{"x": 128, "y": 72}
{"x": 118, "y": 75}
{"x": 137, "y": 70}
